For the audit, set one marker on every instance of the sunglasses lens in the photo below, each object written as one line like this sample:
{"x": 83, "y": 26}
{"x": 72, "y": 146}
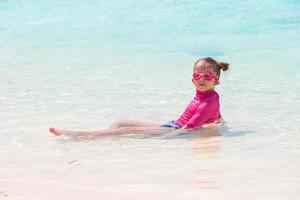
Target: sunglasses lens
{"x": 208, "y": 77}
{"x": 196, "y": 76}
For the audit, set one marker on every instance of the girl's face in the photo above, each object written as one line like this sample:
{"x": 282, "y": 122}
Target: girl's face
{"x": 204, "y": 77}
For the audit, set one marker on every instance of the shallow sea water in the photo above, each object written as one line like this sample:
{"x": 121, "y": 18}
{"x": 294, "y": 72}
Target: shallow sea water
{"x": 82, "y": 65}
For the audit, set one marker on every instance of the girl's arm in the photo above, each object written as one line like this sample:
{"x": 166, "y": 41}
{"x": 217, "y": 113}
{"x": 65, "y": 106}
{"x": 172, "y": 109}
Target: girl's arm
{"x": 205, "y": 111}
{"x": 179, "y": 131}
{"x": 185, "y": 128}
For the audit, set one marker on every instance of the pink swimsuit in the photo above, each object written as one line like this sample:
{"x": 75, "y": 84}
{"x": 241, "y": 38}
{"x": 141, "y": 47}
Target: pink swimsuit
{"x": 203, "y": 109}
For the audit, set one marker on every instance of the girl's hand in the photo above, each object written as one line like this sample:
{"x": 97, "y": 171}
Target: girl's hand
{"x": 176, "y": 132}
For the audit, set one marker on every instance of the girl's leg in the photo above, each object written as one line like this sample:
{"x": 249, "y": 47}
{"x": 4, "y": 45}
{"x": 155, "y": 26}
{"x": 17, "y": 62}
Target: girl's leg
{"x": 132, "y": 123}
{"x": 117, "y": 131}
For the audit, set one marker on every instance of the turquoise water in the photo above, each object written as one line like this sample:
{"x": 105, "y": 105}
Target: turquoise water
{"x": 82, "y": 65}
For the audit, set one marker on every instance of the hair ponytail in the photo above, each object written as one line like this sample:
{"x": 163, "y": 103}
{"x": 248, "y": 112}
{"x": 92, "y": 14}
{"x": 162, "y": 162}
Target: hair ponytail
{"x": 218, "y": 66}
{"x": 223, "y": 66}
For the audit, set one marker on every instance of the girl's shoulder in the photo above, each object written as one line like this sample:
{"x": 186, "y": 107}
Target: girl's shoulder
{"x": 213, "y": 98}
{"x": 213, "y": 95}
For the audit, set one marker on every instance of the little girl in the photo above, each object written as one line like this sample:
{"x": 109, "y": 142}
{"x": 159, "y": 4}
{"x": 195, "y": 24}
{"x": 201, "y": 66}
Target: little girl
{"x": 203, "y": 110}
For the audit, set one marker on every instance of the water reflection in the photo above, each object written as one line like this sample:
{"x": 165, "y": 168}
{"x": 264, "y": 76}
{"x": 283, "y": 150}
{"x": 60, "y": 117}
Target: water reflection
{"x": 207, "y": 150}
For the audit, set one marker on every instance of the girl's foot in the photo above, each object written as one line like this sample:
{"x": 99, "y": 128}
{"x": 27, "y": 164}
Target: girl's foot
{"x": 55, "y": 132}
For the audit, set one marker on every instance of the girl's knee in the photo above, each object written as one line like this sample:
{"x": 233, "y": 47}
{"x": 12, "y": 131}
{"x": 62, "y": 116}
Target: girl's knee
{"x": 125, "y": 122}
{"x": 116, "y": 124}
{"x": 120, "y": 123}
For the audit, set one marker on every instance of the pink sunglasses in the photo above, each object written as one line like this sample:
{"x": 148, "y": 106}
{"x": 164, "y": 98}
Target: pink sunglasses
{"x": 208, "y": 76}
